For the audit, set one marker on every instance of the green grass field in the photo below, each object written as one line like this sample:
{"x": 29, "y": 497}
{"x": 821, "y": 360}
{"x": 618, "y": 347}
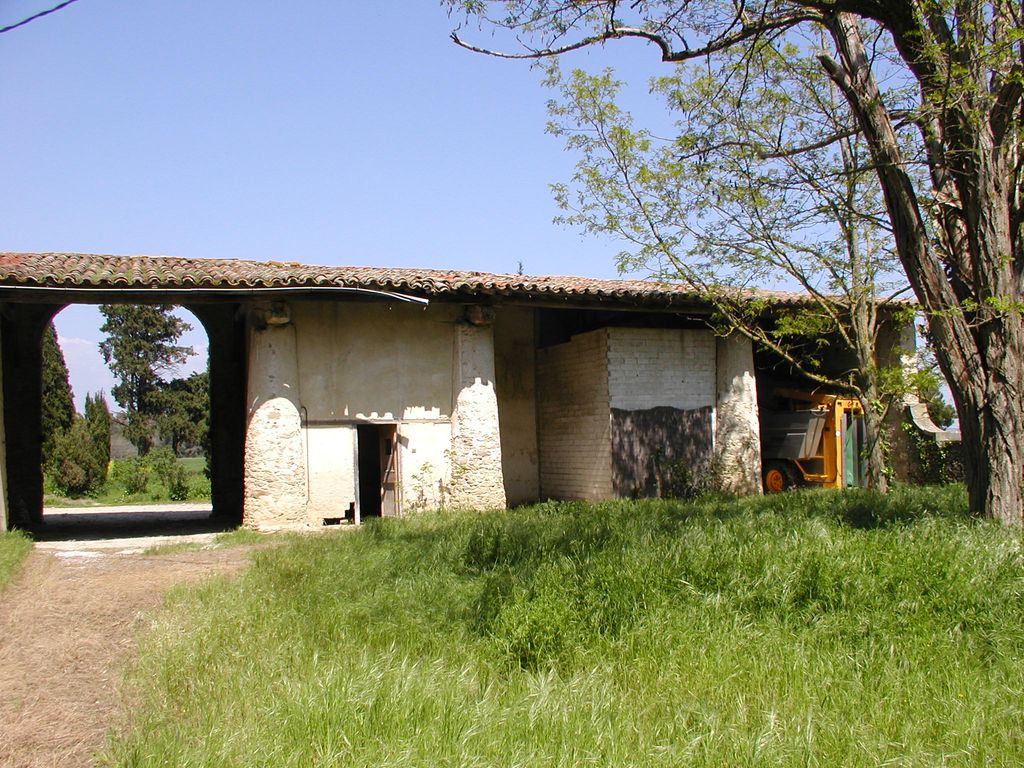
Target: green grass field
{"x": 14, "y": 545}
{"x": 805, "y": 629}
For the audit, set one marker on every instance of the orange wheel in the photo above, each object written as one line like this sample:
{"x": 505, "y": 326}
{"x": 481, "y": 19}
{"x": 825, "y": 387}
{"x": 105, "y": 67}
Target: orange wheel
{"x": 780, "y": 476}
{"x": 774, "y": 480}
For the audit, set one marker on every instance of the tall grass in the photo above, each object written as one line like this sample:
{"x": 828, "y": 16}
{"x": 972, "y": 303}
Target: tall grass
{"x": 14, "y": 546}
{"x": 806, "y": 629}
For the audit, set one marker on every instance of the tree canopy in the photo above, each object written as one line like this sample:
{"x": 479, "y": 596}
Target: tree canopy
{"x": 140, "y": 349}
{"x": 183, "y": 411}
{"x": 933, "y": 89}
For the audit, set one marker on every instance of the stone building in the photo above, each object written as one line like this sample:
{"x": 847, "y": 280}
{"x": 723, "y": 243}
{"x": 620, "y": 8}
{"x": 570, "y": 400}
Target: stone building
{"x": 340, "y": 392}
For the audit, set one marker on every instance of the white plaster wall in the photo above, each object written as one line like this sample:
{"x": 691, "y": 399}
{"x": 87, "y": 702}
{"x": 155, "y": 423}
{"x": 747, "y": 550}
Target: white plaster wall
{"x": 331, "y": 452}
{"x": 515, "y": 369}
{"x": 421, "y": 368}
{"x": 377, "y": 361}
{"x": 275, "y": 452}
{"x": 423, "y": 465}
{"x": 737, "y": 428}
{"x": 650, "y": 367}
{"x": 574, "y": 431}
{"x": 475, "y": 469}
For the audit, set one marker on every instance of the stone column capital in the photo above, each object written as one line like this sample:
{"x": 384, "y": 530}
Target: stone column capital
{"x": 265, "y": 313}
{"x": 479, "y": 315}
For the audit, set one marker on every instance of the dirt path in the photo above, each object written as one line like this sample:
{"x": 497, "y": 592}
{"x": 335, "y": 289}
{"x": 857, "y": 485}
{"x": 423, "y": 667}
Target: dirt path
{"x": 67, "y": 629}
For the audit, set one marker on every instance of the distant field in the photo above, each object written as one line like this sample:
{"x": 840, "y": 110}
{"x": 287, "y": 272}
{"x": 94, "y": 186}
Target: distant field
{"x": 115, "y": 493}
{"x": 194, "y": 466}
{"x": 810, "y": 628}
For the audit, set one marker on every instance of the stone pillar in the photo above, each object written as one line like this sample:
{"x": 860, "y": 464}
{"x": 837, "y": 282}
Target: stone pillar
{"x": 276, "y": 489}
{"x": 737, "y": 428}
{"x": 225, "y": 329}
{"x": 22, "y": 354}
{"x": 476, "y": 480}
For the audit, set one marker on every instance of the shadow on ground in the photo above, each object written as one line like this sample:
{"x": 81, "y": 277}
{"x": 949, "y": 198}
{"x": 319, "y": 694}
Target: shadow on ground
{"x": 96, "y": 523}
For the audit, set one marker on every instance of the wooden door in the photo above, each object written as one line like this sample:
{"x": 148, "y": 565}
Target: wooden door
{"x": 389, "y": 471}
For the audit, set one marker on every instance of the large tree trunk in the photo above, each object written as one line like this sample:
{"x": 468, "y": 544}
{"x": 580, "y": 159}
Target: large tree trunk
{"x": 979, "y": 347}
{"x": 992, "y": 429}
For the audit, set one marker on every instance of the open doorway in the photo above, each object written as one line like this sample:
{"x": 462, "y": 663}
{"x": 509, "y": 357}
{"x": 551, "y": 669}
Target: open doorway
{"x": 377, "y": 461}
{"x": 132, "y": 453}
{"x": 27, "y": 329}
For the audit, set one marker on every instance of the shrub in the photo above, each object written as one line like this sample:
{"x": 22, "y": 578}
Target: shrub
{"x": 166, "y": 466}
{"x": 198, "y": 487}
{"x": 131, "y": 474}
{"x": 78, "y": 468}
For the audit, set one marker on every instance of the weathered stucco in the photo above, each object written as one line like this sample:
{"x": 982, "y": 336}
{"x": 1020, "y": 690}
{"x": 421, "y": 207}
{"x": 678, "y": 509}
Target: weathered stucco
{"x": 481, "y": 417}
{"x": 370, "y": 363}
{"x": 275, "y": 455}
{"x": 425, "y": 374}
{"x": 475, "y": 469}
{"x": 424, "y": 450}
{"x": 737, "y": 430}
{"x": 331, "y": 452}
{"x": 374, "y": 361}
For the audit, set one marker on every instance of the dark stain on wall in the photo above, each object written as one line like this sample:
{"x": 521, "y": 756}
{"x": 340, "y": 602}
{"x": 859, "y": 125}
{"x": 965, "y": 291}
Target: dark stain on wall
{"x": 659, "y": 452}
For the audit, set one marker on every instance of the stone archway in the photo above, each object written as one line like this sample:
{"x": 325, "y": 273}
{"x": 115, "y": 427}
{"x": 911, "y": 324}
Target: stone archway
{"x": 21, "y": 327}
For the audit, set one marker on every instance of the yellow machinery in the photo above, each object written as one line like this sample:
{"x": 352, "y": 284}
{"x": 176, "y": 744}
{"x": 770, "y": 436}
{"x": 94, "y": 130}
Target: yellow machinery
{"x": 817, "y": 440}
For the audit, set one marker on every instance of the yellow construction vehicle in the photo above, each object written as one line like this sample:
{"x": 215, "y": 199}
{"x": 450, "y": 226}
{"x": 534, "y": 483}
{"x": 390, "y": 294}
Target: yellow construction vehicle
{"x": 813, "y": 439}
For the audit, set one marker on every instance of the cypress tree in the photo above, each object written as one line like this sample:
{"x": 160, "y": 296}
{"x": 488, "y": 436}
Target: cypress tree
{"x": 58, "y": 408}
{"x": 97, "y": 417}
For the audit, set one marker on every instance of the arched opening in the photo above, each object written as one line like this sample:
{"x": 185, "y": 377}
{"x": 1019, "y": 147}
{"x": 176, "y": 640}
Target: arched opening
{"x": 22, "y": 330}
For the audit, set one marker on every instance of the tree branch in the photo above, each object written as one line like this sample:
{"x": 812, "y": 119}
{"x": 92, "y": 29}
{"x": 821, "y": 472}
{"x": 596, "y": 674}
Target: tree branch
{"x": 668, "y": 54}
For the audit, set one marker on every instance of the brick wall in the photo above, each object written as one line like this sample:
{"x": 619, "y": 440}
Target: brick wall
{"x": 654, "y": 367}
{"x": 573, "y": 418}
{"x": 662, "y": 391}
{"x": 644, "y": 411}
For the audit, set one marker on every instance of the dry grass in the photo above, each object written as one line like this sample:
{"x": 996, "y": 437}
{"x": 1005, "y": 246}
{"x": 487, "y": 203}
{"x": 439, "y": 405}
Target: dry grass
{"x": 67, "y": 628}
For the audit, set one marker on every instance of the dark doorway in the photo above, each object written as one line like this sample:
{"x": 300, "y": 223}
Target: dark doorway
{"x": 378, "y": 470}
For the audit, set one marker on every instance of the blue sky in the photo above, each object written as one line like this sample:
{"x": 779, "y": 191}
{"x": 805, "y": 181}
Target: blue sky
{"x": 314, "y": 131}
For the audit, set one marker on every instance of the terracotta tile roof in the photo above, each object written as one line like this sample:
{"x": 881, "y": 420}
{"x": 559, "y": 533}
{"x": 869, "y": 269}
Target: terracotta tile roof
{"x": 85, "y": 272}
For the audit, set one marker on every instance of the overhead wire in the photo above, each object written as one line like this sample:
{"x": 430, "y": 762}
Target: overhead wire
{"x": 39, "y": 15}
